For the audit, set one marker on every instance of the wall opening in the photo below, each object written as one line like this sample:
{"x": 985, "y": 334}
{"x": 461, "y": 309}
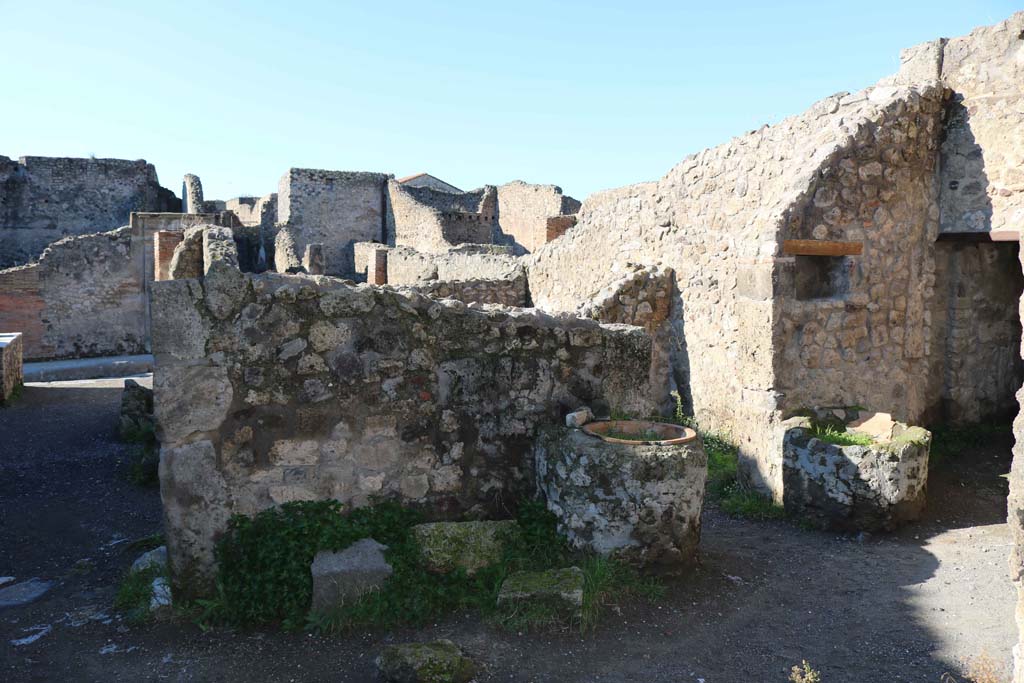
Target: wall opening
{"x": 821, "y": 277}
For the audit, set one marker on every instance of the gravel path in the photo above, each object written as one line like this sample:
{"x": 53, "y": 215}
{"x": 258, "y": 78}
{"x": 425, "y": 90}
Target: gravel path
{"x": 902, "y": 607}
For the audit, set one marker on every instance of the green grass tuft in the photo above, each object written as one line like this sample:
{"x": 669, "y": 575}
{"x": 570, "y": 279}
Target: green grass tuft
{"x": 135, "y": 592}
{"x": 840, "y": 436}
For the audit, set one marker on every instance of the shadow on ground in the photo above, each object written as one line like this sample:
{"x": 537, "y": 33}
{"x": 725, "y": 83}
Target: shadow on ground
{"x": 903, "y": 607}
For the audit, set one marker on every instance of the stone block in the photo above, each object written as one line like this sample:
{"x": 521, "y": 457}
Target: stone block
{"x": 342, "y": 577}
{"x": 438, "y": 662}
{"x": 471, "y": 546}
{"x": 578, "y": 418}
{"x": 225, "y": 285}
{"x": 24, "y": 592}
{"x": 558, "y": 591}
{"x": 157, "y": 557}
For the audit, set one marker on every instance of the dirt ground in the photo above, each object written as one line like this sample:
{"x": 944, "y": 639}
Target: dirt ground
{"x": 873, "y": 608}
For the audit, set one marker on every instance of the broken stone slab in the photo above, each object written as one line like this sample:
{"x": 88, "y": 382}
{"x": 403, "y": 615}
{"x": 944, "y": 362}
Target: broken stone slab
{"x": 579, "y": 418}
{"x": 341, "y": 577}
{"x": 471, "y": 546}
{"x": 23, "y": 593}
{"x": 559, "y": 591}
{"x": 440, "y": 661}
{"x": 161, "y": 594}
{"x": 157, "y": 557}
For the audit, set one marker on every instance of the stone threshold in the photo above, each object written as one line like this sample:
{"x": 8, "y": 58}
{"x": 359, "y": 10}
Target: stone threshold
{"x": 88, "y": 368}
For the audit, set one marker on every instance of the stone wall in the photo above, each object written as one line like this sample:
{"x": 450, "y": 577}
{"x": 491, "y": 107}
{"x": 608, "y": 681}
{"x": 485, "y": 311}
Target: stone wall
{"x": 856, "y": 330}
{"x": 84, "y": 297}
{"x": 719, "y": 220}
{"x": 430, "y": 220}
{"x": 299, "y": 387}
{"x": 982, "y": 177}
{"x": 524, "y": 211}
{"x": 977, "y": 330}
{"x": 506, "y": 292}
{"x": 43, "y": 199}
{"x": 333, "y": 208}
{"x": 466, "y": 262}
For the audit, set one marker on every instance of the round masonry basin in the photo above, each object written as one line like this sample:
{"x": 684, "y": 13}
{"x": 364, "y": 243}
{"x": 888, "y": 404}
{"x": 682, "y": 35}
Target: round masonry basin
{"x": 640, "y": 432}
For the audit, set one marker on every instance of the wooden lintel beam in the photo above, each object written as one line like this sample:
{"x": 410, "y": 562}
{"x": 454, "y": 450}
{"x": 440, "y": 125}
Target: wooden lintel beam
{"x": 822, "y": 248}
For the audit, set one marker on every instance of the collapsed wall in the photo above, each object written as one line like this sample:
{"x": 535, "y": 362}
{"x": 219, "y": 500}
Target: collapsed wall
{"x": 271, "y": 388}
{"x": 431, "y": 220}
{"x": 43, "y": 199}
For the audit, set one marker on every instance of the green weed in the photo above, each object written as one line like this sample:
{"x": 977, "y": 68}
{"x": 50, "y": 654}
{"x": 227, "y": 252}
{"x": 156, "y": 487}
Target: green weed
{"x": 839, "y": 436}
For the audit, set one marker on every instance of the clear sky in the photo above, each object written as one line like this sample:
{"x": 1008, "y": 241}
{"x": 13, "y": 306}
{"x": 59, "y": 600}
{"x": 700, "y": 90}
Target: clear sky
{"x": 586, "y": 95}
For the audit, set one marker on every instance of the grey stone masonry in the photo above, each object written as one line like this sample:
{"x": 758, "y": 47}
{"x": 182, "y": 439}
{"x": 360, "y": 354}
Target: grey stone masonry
{"x": 635, "y": 501}
{"x": 11, "y": 376}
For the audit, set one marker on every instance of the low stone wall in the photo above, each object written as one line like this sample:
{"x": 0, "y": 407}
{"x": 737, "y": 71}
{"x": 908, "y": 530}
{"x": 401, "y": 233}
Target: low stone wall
{"x": 408, "y": 266}
{"x": 271, "y": 388}
{"x": 511, "y": 292}
{"x": 635, "y": 501}
{"x": 11, "y": 376}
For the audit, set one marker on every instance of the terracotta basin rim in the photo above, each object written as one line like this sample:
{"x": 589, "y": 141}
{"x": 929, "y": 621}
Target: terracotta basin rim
{"x": 673, "y": 434}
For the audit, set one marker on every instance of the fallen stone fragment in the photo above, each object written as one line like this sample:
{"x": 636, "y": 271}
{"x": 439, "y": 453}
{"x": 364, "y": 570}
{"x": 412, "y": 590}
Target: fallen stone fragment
{"x": 447, "y": 546}
{"x": 559, "y": 591}
{"x": 341, "y": 577}
{"x": 438, "y": 662}
{"x": 24, "y": 592}
{"x": 579, "y": 418}
{"x": 37, "y": 633}
{"x": 161, "y": 596}
{"x": 157, "y": 557}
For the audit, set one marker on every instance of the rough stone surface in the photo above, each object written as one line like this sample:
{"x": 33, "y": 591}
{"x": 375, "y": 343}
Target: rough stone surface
{"x": 319, "y": 389}
{"x": 11, "y": 370}
{"x": 559, "y": 590}
{"x": 161, "y": 597}
{"x": 440, "y": 661}
{"x": 341, "y": 577}
{"x": 637, "y": 502}
{"x": 470, "y": 546}
{"x": 872, "y": 487}
{"x": 24, "y": 592}
{"x": 578, "y": 418}
{"x": 524, "y": 212}
{"x": 44, "y": 199}
{"x": 136, "y": 416}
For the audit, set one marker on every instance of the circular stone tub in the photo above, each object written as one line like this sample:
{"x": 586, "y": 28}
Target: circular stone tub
{"x": 640, "y": 431}
{"x": 639, "y": 501}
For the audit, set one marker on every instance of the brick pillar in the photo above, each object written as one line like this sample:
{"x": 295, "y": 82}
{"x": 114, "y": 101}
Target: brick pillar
{"x": 164, "y": 242}
{"x": 377, "y": 267}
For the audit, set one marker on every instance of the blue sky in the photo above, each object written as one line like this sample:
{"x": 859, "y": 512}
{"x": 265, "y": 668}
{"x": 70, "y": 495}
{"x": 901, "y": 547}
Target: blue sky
{"x": 587, "y": 95}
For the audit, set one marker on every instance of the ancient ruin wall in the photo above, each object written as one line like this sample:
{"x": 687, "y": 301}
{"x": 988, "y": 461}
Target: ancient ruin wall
{"x": 333, "y": 208}
{"x": 1015, "y": 516}
{"x": 977, "y": 330}
{"x": 717, "y": 220}
{"x": 524, "y": 211}
{"x": 43, "y": 199}
{"x": 983, "y": 153}
{"x": 505, "y": 292}
{"x": 430, "y": 220}
{"x": 83, "y": 298}
{"x": 272, "y": 388}
{"x": 856, "y": 330}
{"x": 468, "y": 262}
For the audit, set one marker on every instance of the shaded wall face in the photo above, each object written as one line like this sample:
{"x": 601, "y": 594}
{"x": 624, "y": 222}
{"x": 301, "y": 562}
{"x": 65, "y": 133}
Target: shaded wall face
{"x": 856, "y": 329}
{"x": 982, "y": 179}
{"x": 310, "y": 389}
{"x": 978, "y": 288}
{"x": 45, "y": 199}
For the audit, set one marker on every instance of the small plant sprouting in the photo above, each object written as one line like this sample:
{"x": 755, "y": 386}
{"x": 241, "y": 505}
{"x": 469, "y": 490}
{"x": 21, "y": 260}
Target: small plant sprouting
{"x": 804, "y": 673}
{"x": 840, "y": 436}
